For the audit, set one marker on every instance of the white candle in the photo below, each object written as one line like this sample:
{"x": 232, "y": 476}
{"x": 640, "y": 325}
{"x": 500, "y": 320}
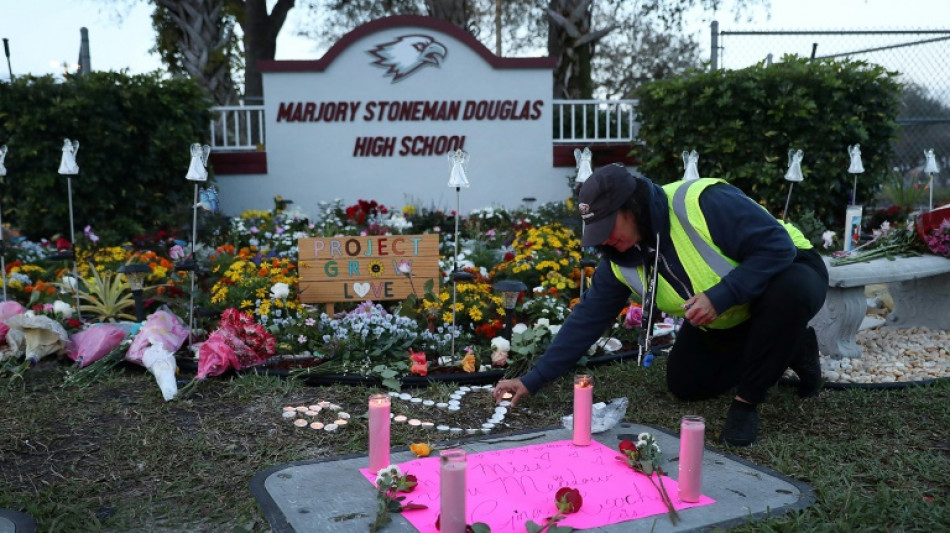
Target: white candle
{"x": 378, "y": 432}
{"x": 452, "y": 489}
{"x": 583, "y": 408}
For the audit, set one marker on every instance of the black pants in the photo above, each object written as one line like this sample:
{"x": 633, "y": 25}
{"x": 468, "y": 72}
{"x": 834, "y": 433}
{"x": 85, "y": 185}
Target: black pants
{"x": 753, "y": 355}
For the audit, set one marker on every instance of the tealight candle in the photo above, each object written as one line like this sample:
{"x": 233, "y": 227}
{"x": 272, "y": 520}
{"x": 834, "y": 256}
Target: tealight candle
{"x": 405, "y": 396}
{"x": 400, "y": 419}
{"x": 465, "y": 389}
{"x": 454, "y": 408}
{"x": 428, "y": 403}
{"x": 378, "y": 432}
{"x": 344, "y": 415}
{"x": 415, "y": 422}
{"x": 504, "y": 403}
{"x": 442, "y": 405}
{"x": 583, "y": 408}
{"x": 311, "y": 413}
{"x": 501, "y": 410}
{"x": 330, "y": 428}
{"x": 394, "y": 393}
{"x": 340, "y": 422}
{"x": 416, "y": 400}
{"x": 442, "y": 427}
{"x": 300, "y": 423}
{"x": 455, "y": 431}
{"x": 316, "y": 425}
{"x": 471, "y": 431}
{"x": 324, "y": 403}
{"x": 289, "y": 408}
{"x": 301, "y": 409}
{"x": 314, "y": 408}
{"x": 290, "y": 414}
{"x": 428, "y": 425}
{"x": 506, "y": 396}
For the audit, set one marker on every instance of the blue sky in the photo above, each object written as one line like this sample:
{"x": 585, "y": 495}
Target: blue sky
{"x": 44, "y": 34}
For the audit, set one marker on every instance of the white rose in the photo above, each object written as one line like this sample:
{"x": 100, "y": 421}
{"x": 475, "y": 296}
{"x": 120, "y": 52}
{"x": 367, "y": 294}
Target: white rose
{"x": 543, "y": 323}
{"x": 519, "y": 328}
{"x": 71, "y": 282}
{"x": 62, "y": 308}
{"x": 280, "y": 291}
{"x": 501, "y": 344}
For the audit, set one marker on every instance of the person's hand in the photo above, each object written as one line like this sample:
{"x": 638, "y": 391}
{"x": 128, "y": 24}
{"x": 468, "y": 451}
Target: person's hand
{"x": 699, "y": 310}
{"x": 514, "y": 386}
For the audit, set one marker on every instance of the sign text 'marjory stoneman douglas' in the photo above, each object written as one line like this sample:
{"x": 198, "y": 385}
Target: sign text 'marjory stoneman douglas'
{"x": 415, "y": 110}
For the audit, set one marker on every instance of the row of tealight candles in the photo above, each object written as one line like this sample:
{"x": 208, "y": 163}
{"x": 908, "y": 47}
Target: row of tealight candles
{"x": 453, "y": 461}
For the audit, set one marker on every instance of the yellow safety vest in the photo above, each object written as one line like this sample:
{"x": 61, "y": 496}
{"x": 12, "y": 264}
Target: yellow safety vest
{"x": 703, "y": 261}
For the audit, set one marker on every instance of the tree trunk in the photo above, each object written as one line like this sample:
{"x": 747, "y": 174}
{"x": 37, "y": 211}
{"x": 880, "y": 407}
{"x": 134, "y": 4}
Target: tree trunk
{"x": 260, "y": 40}
{"x": 202, "y": 45}
{"x": 571, "y": 40}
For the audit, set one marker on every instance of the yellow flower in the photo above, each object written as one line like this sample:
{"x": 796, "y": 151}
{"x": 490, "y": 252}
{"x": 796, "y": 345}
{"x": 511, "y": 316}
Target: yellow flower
{"x": 246, "y": 304}
{"x": 421, "y": 449}
{"x": 376, "y": 268}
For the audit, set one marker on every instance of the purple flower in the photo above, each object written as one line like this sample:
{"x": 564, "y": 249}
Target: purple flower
{"x": 87, "y": 231}
{"x": 176, "y": 252}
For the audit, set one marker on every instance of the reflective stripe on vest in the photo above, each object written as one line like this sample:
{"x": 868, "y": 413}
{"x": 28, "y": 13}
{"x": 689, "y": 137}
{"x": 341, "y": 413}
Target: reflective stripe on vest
{"x": 704, "y": 263}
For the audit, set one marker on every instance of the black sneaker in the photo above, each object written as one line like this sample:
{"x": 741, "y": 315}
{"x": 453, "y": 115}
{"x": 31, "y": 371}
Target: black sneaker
{"x": 807, "y": 365}
{"x": 742, "y": 424}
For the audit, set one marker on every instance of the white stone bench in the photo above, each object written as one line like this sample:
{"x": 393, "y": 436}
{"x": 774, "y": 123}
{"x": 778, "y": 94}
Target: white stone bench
{"x": 919, "y": 287}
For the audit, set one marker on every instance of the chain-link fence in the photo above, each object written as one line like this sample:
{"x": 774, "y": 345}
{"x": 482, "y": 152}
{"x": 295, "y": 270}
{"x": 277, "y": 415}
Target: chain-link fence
{"x": 921, "y": 57}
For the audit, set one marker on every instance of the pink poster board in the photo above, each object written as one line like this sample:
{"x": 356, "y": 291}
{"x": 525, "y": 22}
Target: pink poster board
{"x": 506, "y": 488}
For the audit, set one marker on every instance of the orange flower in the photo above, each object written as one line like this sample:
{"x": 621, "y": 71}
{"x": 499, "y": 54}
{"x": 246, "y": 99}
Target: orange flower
{"x": 421, "y": 449}
{"x": 419, "y": 364}
{"x": 468, "y": 362}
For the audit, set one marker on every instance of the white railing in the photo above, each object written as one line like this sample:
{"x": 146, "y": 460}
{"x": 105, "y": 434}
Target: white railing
{"x": 237, "y": 127}
{"x": 241, "y": 128}
{"x": 595, "y": 121}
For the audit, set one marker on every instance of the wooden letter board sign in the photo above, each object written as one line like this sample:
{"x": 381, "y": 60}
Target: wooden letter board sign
{"x": 355, "y": 269}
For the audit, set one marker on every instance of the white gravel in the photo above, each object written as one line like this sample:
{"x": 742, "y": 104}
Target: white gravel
{"x": 893, "y": 355}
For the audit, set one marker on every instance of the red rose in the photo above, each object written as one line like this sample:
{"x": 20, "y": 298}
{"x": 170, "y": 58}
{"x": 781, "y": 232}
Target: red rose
{"x": 627, "y": 446}
{"x": 568, "y": 500}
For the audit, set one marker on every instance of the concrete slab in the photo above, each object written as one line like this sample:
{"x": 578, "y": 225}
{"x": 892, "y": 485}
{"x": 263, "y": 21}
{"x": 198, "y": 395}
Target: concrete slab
{"x": 16, "y": 522}
{"x": 332, "y": 495}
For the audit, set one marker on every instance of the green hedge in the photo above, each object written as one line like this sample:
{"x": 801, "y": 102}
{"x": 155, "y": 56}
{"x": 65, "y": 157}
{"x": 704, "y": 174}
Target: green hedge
{"x": 744, "y": 122}
{"x": 134, "y": 134}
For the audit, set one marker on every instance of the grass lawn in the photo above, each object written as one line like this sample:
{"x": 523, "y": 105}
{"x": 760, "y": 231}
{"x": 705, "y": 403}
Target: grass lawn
{"x": 116, "y": 457}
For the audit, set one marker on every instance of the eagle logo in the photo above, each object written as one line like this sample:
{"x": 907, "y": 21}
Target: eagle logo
{"x": 407, "y": 54}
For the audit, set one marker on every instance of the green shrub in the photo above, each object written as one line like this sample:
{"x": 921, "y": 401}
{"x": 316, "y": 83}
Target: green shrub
{"x": 134, "y": 134}
{"x": 744, "y": 122}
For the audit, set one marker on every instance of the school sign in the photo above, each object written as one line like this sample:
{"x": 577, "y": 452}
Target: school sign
{"x": 376, "y": 117}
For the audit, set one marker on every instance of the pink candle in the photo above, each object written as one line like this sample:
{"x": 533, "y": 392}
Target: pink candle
{"x": 692, "y": 430}
{"x": 583, "y": 408}
{"x": 378, "y": 432}
{"x": 452, "y": 490}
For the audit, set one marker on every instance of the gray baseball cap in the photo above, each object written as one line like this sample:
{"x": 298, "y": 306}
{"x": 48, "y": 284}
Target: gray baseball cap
{"x": 600, "y": 198}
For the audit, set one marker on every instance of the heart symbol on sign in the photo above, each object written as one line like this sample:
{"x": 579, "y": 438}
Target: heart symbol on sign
{"x": 361, "y": 289}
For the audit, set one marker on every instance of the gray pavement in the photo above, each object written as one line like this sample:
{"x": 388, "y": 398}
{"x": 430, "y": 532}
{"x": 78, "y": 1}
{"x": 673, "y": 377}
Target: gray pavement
{"x": 16, "y": 522}
{"x": 331, "y": 495}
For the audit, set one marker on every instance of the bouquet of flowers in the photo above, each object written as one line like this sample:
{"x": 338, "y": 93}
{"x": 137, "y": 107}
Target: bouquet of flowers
{"x": 644, "y": 457}
{"x": 238, "y": 343}
{"x": 390, "y": 481}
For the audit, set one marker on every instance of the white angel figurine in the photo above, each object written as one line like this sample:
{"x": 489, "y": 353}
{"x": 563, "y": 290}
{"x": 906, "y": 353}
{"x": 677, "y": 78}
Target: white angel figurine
{"x": 690, "y": 162}
{"x": 930, "y": 162}
{"x": 199, "y": 160}
{"x": 67, "y": 165}
{"x": 794, "y": 173}
{"x": 857, "y": 167}
{"x": 584, "y": 169}
{"x": 3, "y": 155}
{"x": 457, "y": 178}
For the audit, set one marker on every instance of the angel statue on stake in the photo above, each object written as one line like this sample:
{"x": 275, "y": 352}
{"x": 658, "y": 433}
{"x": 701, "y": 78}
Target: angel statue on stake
{"x": 690, "y": 163}
{"x": 794, "y": 175}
